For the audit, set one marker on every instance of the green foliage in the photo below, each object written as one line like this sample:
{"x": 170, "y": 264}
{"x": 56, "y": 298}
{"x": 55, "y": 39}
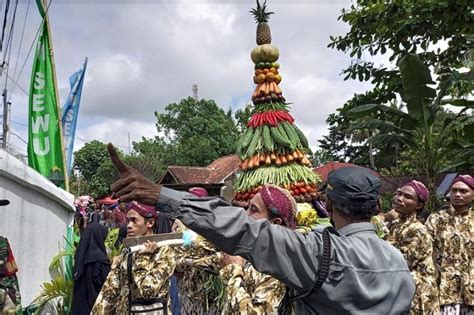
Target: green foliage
{"x": 215, "y": 288}
{"x": 60, "y": 289}
{"x": 433, "y": 136}
{"x": 320, "y": 157}
{"x": 96, "y": 172}
{"x": 395, "y": 28}
{"x": 196, "y": 132}
{"x": 242, "y": 116}
{"x": 89, "y": 158}
{"x": 111, "y": 241}
{"x": 440, "y": 31}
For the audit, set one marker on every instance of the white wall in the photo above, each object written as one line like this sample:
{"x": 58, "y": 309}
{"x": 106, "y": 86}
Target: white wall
{"x": 34, "y": 222}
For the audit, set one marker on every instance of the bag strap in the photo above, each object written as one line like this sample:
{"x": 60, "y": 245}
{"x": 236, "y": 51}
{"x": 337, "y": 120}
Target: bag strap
{"x": 322, "y": 274}
{"x": 130, "y": 281}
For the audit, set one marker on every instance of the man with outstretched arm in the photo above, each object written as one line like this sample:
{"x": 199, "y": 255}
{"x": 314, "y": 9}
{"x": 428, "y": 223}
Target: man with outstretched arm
{"x": 358, "y": 272}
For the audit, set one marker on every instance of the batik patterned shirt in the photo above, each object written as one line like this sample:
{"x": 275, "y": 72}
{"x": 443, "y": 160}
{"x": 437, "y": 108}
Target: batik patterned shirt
{"x": 151, "y": 273}
{"x": 198, "y": 269}
{"x": 249, "y": 291}
{"x": 453, "y": 236}
{"x": 413, "y": 240}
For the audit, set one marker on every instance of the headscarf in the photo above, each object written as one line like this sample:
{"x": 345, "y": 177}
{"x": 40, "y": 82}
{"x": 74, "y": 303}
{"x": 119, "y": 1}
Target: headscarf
{"x": 466, "y": 179}
{"x": 143, "y": 210}
{"x": 420, "y": 189}
{"x": 198, "y": 191}
{"x": 91, "y": 248}
{"x": 280, "y": 202}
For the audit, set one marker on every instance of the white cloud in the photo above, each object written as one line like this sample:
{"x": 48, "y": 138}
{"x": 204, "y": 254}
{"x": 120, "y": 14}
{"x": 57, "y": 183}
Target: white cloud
{"x": 144, "y": 55}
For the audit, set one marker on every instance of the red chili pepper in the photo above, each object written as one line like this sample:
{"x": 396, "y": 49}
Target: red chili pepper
{"x": 264, "y": 119}
{"x": 274, "y": 119}
{"x": 291, "y": 118}
{"x": 279, "y": 116}
{"x": 268, "y": 118}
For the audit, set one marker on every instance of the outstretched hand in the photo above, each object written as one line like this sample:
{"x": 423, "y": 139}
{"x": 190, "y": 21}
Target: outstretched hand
{"x": 132, "y": 185}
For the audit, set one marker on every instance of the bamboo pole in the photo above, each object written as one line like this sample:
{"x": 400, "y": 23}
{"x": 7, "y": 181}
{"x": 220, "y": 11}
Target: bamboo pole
{"x": 53, "y": 69}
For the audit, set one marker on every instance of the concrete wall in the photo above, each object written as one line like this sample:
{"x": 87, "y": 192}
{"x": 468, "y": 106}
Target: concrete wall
{"x": 35, "y": 222}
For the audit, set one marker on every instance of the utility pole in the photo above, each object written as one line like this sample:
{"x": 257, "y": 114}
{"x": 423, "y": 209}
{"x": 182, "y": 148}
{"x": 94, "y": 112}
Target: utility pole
{"x": 195, "y": 92}
{"x": 5, "y": 120}
{"x": 129, "y": 143}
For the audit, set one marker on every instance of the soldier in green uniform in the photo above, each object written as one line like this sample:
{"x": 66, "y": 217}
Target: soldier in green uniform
{"x": 412, "y": 238}
{"x": 453, "y": 233}
{"x": 10, "y": 299}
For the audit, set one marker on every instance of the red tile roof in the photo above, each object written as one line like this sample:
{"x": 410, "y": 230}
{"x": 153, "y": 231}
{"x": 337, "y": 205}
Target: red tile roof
{"x": 324, "y": 170}
{"x": 215, "y": 172}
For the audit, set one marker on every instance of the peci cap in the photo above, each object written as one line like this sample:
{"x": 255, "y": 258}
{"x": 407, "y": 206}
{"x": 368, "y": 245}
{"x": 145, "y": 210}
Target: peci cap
{"x": 353, "y": 185}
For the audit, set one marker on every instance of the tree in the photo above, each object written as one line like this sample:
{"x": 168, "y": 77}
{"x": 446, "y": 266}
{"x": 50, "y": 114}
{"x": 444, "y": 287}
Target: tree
{"x": 393, "y": 29}
{"x": 96, "y": 172}
{"x": 242, "y": 116}
{"x": 196, "y": 131}
{"x": 88, "y": 159}
{"x": 433, "y": 136}
{"x": 320, "y": 157}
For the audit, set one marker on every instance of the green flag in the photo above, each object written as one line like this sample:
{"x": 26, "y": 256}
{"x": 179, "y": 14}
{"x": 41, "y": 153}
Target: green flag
{"x": 45, "y": 152}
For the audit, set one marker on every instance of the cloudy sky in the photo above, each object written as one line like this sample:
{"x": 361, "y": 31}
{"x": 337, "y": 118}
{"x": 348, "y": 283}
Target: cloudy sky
{"x": 146, "y": 54}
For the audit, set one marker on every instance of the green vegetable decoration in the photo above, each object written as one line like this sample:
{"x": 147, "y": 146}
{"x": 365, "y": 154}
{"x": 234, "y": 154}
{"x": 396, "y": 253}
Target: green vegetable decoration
{"x": 272, "y": 149}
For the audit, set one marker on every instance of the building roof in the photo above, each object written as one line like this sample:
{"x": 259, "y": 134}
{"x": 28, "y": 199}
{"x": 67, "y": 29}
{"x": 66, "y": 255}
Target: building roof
{"x": 324, "y": 170}
{"x": 216, "y": 172}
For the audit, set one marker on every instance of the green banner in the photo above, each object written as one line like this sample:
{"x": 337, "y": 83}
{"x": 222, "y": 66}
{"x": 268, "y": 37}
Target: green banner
{"x": 45, "y": 152}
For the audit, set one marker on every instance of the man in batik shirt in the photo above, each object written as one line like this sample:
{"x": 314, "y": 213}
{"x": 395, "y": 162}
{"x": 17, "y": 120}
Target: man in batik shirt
{"x": 197, "y": 271}
{"x": 453, "y": 233}
{"x": 247, "y": 290}
{"x": 151, "y": 268}
{"x": 412, "y": 238}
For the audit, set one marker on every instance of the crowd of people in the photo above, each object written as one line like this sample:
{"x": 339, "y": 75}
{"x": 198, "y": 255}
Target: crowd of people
{"x": 255, "y": 261}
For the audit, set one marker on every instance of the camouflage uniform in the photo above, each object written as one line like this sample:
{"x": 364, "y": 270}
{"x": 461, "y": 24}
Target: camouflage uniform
{"x": 8, "y": 270}
{"x": 453, "y": 248}
{"x": 249, "y": 291}
{"x": 199, "y": 266}
{"x": 412, "y": 238}
{"x": 151, "y": 273}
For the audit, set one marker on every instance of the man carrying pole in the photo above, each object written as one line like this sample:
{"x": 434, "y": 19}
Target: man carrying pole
{"x": 350, "y": 271}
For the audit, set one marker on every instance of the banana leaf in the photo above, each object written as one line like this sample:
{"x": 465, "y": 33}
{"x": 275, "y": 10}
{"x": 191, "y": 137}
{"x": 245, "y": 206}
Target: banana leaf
{"x": 415, "y": 79}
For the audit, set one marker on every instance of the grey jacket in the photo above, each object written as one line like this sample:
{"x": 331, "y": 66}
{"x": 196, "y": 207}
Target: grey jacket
{"x": 366, "y": 275}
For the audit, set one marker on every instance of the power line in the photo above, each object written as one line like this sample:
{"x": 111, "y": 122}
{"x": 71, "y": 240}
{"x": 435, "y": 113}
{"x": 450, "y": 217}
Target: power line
{"x": 7, "y": 7}
{"x": 31, "y": 47}
{"x": 23, "y": 140}
{"x": 21, "y": 43}
{"x": 16, "y": 84}
{"x": 8, "y": 49}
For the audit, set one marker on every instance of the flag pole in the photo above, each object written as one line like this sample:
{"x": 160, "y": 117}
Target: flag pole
{"x": 56, "y": 92}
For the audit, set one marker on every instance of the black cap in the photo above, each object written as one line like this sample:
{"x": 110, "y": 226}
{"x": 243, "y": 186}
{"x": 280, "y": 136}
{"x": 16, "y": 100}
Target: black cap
{"x": 353, "y": 185}
{"x": 4, "y": 202}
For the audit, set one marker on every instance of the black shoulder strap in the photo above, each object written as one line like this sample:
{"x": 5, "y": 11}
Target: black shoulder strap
{"x": 130, "y": 280}
{"x": 322, "y": 274}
